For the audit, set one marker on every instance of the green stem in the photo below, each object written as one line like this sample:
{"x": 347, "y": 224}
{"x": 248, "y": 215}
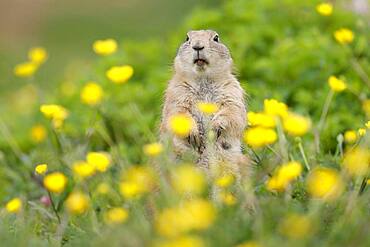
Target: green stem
{"x": 53, "y": 207}
{"x": 301, "y": 150}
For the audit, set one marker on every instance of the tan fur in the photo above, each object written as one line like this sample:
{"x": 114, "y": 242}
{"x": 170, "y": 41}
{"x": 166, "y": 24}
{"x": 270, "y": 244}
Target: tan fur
{"x": 210, "y": 82}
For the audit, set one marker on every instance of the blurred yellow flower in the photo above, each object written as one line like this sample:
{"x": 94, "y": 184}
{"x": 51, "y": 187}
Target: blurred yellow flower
{"x": 337, "y": 85}
{"x": 37, "y": 55}
{"x": 181, "y": 124}
{"x": 91, "y": 94}
{"x": 197, "y": 214}
{"x": 325, "y": 9}
{"x": 258, "y": 137}
{"x": 56, "y": 113}
{"x": 116, "y": 216}
{"x": 275, "y": 108}
{"x": 38, "y": 133}
{"x": 14, "y": 205}
{"x": 77, "y": 203}
{"x": 120, "y": 74}
{"x": 249, "y": 244}
{"x": 284, "y": 175}
{"x": 344, "y": 36}
{"x": 83, "y": 169}
{"x": 350, "y": 136}
{"x": 296, "y": 125}
{"x": 105, "y": 47}
{"x": 207, "y": 108}
{"x": 227, "y": 198}
{"x": 366, "y": 106}
{"x": 361, "y": 131}
{"x": 261, "y": 119}
{"x": 324, "y": 183}
{"x": 26, "y": 69}
{"x": 103, "y": 188}
{"x": 136, "y": 181}
{"x": 367, "y": 124}
{"x": 356, "y": 161}
{"x": 153, "y": 149}
{"x": 188, "y": 179}
{"x": 99, "y": 160}
{"x": 55, "y": 182}
{"x": 296, "y": 226}
{"x": 225, "y": 180}
{"x": 41, "y": 169}
{"x": 182, "y": 241}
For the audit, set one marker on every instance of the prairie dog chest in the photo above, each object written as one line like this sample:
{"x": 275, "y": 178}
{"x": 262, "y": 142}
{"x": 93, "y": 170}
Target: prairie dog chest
{"x": 207, "y": 91}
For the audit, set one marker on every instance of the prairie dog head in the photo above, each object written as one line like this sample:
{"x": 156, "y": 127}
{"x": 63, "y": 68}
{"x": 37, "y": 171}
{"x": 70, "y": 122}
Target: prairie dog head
{"x": 203, "y": 54}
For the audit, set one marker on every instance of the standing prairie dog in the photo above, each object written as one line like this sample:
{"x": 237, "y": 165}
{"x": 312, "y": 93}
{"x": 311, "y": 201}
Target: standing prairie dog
{"x": 203, "y": 73}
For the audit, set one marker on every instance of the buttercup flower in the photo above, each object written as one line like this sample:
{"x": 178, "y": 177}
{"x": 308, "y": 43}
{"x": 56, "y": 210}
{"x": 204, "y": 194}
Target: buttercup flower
{"x": 37, "y": 55}
{"x": 136, "y": 181}
{"x": 207, "y": 107}
{"x": 366, "y": 106}
{"x": 285, "y": 174}
{"x": 367, "y": 124}
{"x": 41, "y": 169}
{"x": 350, "y": 136}
{"x": 92, "y": 94}
{"x": 105, "y": 47}
{"x": 261, "y": 119}
{"x": 56, "y": 113}
{"x": 296, "y": 125}
{"x": 324, "y": 183}
{"x": 153, "y": 149}
{"x": 356, "y": 161}
{"x": 180, "y": 124}
{"x": 38, "y": 133}
{"x": 116, "y": 216}
{"x": 275, "y": 108}
{"x": 25, "y": 69}
{"x": 99, "y": 160}
{"x": 296, "y": 226}
{"x": 120, "y": 74}
{"x": 55, "y": 182}
{"x": 227, "y": 198}
{"x": 344, "y": 36}
{"x": 14, "y": 205}
{"x": 182, "y": 241}
{"x": 258, "y": 137}
{"x": 225, "y": 181}
{"x": 337, "y": 85}
{"x": 83, "y": 169}
{"x": 188, "y": 179}
{"x": 361, "y": 131}
{"x": 325, "y": 9}
{"x": 77, "y": 203}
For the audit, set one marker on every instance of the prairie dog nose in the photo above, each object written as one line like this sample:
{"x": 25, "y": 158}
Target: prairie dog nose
{"x": 198, "y": 47}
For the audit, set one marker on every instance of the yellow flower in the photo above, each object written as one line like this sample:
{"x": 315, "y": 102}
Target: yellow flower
{"x": 116, "y": 216}
{"x": 356, "y": 161}
{"x": 275, "y": 108}
{"x": 105, "y": 47}
{"x": 350, "y": 136}
{"x": 261, "y": 119}
{"x": 41, "y": 169}
{"x": 120, "y": 74}
{"x": 367, "y": 124}
{"x": 296, "y": 125}
{"x": 249, "y": 244}
{"x": 225, "y": 181}
{"x": 344, "y": 36}
{"x": 99, "y": 160}
{"x": 285, "y": 174}
{"x": 325, "y": 9}
{"x": 103, "y": 188}
{"x": 14, "y": 205}
{"x": 137, "y": 181}
{"x": 37, "y": 55}
{"x": 83, "y": 169}
{"x": 25, "y": 69}
{"x": 153, "y": 149}
{"x": 197, "y": 214}
{"x": 207, "y": 108}
{"x": 188, "y": 179}
{"x": 296, "y": 226}
{"x": 181, "y": 124}
{"x": 324, "y": 183}
{"x": 361, "y": 131}
{"x": 77, "y": 203}
{"x": 366, "y": 106}
{"x": 228, "y": 198}
{"x": 38, "y": 133}
{"x": 55, "y": 182}
{"x": 56, "y": 113}
{"x": 337, "y": 85}
{"x": 92, "y": 94}
{"x": 258, "y": 137}
{"x": 182, "y": 241}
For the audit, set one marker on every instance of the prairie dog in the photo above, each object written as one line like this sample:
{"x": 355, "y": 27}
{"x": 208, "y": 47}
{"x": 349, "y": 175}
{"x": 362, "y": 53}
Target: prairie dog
{"x": 203, "y": 72}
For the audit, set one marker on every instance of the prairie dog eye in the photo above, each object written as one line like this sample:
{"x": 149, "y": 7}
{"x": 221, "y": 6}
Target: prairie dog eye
{"x": 216, "y": 38}
{"x": 187, "y": 38}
